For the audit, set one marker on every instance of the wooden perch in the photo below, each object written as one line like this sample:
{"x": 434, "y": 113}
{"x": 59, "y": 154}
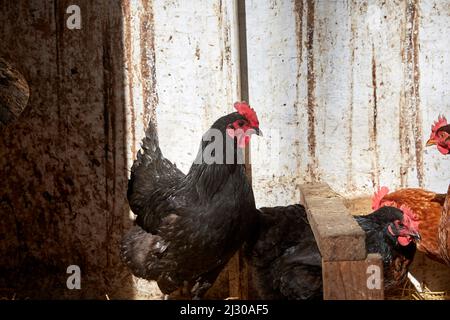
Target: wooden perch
{"x": 338, "y": 235}
{"x": 14, "y": 93}
{"x": 341, "y": 241}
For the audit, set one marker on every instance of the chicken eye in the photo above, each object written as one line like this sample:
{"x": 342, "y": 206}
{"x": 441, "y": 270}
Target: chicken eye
{"x": 241, "y": 123}
{"x": 398, "y": 224}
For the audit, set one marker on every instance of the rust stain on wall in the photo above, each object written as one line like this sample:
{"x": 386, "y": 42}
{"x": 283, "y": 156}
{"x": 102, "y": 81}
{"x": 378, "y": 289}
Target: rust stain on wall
{"x": 404, "y": 141}
{"x": 148, "y": 62}
{"x": 417, "y": 128}
{"x": 129, "y": 63}
{"x": 410, "y": 110}
{"x": 353, "y": 35}
{"x": 218, "y": 12}
{"x": 373, "y": 119}
{"x": 225, "y": 41}
{"x": 311, "y": 84}
{"x": 298, "y": 14}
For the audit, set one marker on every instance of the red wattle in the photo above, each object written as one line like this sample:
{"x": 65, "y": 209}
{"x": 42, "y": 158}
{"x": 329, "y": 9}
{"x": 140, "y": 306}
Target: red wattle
{"x": 443, "y": 150}
{"x": 404, "y": 241}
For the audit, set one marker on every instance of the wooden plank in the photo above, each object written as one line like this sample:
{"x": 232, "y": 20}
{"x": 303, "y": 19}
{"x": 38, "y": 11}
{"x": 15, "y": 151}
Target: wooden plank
{"x": 353, "y": 280}
{"x": 234, "y": 278}
{"x": 338, "y": 235}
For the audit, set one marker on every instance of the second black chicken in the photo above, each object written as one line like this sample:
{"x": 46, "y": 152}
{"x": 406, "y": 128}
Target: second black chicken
{"x": 285, "y": 261}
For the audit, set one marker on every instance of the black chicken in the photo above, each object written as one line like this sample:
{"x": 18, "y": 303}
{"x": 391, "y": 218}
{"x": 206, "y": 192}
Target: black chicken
{"x": 189, "y": 226}
{"x": 285, "y": 261}
{"x": 286, "y": 264}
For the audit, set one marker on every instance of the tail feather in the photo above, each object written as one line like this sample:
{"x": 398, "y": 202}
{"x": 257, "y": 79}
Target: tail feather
{"x": 149, "y": 172}
{"x": 150, "y": 150}
{"x": 139, "y": 250}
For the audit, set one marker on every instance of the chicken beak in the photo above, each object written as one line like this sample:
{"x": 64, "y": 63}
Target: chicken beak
{"x": 416, "y": 236}
{"x": 431, "y": 142}
{"x": 258, "y": 132}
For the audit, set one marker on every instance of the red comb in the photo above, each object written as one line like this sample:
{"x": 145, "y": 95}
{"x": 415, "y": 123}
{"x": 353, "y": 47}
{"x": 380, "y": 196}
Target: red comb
{"x": 442, "y": 121}
{"x": 378, "y": 196}
{"x": 244, "y": 110}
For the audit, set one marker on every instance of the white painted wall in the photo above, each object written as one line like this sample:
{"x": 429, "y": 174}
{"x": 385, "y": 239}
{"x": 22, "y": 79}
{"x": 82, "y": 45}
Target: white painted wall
{"x": 197, "y": 81}
{"x": 196, "y": 72}
{"x": 348, "y": 37}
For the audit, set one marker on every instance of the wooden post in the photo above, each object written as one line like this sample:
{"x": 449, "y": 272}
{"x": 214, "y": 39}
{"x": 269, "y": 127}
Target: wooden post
{"x": 346, "y": 267}
{"x": 347, "y": 280}
{"x": 14, "y": 93}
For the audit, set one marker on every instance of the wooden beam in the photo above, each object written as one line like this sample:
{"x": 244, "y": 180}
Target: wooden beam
{"x": 347, "y": 271}
{"x": 338, "y": 235}
{"x": 14, "y": 93}
{"x": 353, "y": 280}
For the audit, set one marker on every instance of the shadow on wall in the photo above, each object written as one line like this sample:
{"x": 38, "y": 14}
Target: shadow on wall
{"x": 63, "y": 163}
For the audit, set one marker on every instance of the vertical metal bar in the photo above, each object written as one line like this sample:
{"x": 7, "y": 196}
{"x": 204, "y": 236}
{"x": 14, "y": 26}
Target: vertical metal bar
{"x": 243, "y": 70}
{"x": 238, "y": 272}
{"x": 243, "y": 59}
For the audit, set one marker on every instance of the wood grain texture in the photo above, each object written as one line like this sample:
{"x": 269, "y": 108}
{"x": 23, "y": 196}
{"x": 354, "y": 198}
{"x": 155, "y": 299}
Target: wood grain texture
{"x": 348, "y": 280}
{"x": 14, "y": 93}
{"x": 63, "y": 168}
{"x": 338, "y": 235}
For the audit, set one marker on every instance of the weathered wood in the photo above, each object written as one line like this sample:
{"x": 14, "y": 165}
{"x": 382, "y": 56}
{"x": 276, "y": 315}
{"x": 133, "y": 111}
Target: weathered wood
{"x": 64, "y": 170}
{"x": 353, "y": 280}
{"x": 348, "y": 272}
{"x": 234, "y": 277}
{"x": 338, "y": 235}
{"x": 14, "y": 93}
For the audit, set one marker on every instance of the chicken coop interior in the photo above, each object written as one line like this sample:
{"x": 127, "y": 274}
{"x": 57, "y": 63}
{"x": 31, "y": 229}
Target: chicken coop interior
{"x": 350, "y": 96}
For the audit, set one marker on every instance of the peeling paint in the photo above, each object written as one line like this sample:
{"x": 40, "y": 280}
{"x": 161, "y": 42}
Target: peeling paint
{"x": 363, "y": 70}
{"x": 411, "y": 120}
{"x": 417, "y": 128}
{"x": 129, "y": 63}
{"x": 148, "y": 63}
{"x": 298, "y": 12}
{"x": 373, "y": 128}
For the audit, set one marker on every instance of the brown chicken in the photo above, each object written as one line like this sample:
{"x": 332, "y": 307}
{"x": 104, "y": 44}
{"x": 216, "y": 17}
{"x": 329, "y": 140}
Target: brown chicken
{"x": 428, "y": 210}
{"x": 440, "y": 136}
